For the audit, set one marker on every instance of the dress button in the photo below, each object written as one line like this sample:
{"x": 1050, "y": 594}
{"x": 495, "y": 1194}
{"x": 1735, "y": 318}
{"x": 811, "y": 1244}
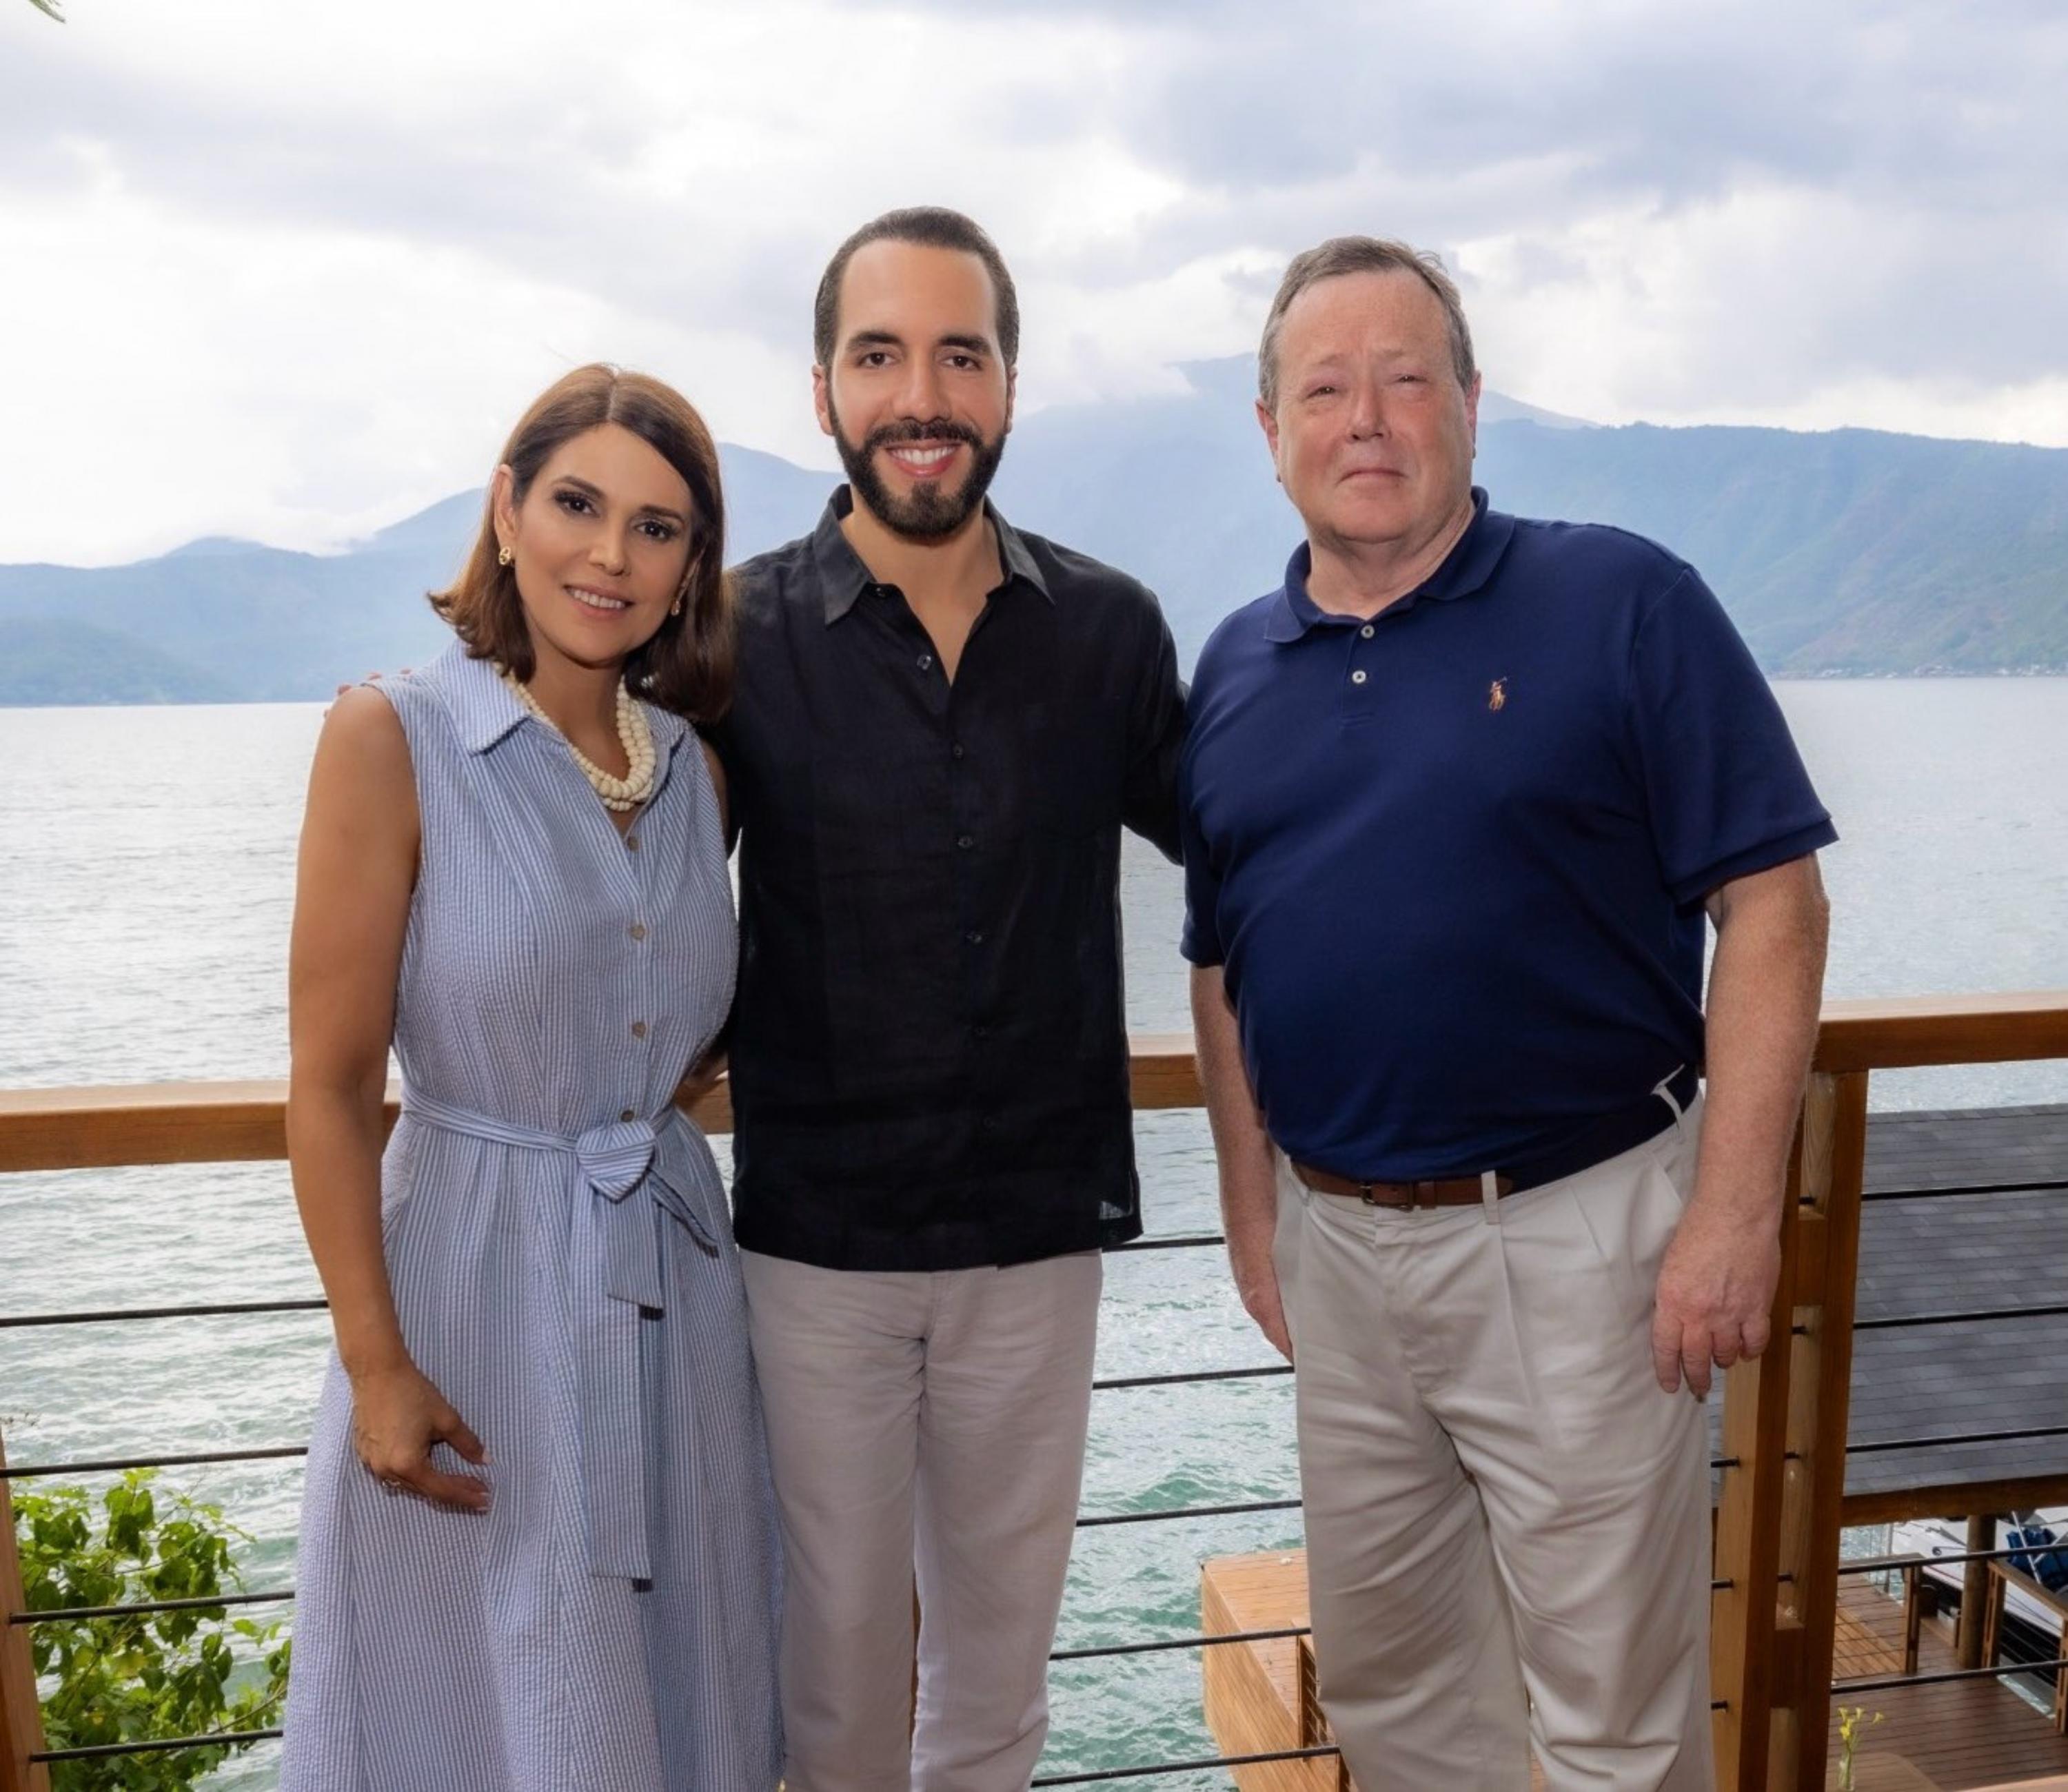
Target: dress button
{"x": 926, "y": 662}
{"x": 1357, "y": 677}
{"x": 628, "y": 1114}
{"x": 639, "y": 1030}
{"x": 1365, "y": 631}
{"x": 637, "y": 929}
{"x": 965, "y": 841}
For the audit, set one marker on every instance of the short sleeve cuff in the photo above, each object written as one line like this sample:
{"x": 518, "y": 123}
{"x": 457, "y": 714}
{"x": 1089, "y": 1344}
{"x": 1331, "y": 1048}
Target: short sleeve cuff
{"x": 1199, "y": 946}
{"x": 1691, "y": 892}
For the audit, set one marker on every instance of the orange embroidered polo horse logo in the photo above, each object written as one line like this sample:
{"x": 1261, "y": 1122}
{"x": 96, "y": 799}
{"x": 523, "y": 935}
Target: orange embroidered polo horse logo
{"x": 1497, "y": 694}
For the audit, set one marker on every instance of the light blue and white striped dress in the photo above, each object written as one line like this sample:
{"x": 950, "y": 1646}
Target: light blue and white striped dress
{"x": 562, "y": 1258}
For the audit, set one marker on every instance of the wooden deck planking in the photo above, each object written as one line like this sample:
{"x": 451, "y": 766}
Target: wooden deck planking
{"x": 1253, "y": 1690}
{"x": 1960, "y": 1736}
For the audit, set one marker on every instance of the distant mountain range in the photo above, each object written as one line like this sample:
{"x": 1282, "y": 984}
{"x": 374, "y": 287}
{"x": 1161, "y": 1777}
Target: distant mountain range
{"x": 1845, "y": 553}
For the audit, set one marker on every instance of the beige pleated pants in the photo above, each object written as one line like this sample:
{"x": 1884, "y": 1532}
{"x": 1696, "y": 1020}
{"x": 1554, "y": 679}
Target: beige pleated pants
{"x": 1508, "y": 1521}
{"x": 934, "y": 1421}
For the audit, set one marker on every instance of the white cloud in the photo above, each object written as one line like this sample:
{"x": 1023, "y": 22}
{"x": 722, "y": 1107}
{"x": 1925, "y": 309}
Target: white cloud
{"x": 289, "y": 271}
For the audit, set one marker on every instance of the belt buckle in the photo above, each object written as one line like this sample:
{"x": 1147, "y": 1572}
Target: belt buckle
{"x": 1365, "y": 1194}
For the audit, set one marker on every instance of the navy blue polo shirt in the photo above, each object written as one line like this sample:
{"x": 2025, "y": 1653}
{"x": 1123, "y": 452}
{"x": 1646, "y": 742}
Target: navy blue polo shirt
{"x": 1453, "y": 860}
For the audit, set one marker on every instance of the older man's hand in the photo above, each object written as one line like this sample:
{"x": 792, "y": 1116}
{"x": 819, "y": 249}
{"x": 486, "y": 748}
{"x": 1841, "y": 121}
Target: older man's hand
{"x": 1714, "y": 1300}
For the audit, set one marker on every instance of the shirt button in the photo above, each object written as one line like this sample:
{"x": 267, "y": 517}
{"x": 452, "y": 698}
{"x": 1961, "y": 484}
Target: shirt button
{"x": 981, "y": 1030}
{"x": 628, "y": 1114}
{"x": 926, "y": 662}
{"x": 965, "y": 841}
{"x": 639, "y": 1030}
{"x": 1357, "y": 677}
{"x": 638, "y": 929}
{"x": 973, "y": 939}
{"x": 955, "y": 752}
{"x": 631, "y": 843}
{"x": 1365, "y": 631}
{"x": 987, "y": 1124}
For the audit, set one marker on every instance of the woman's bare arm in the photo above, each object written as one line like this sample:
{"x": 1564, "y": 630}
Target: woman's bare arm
{"x": 357, "y": 870}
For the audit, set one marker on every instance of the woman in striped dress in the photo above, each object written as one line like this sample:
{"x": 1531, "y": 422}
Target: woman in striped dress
{"x": 538, "y": 1545}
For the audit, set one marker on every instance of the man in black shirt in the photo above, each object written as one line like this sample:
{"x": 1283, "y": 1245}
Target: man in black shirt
{"x": 941, "y": 726}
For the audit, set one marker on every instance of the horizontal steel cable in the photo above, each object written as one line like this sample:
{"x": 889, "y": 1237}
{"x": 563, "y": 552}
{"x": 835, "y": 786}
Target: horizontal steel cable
{"x": 1186, "y": 1512}
{"x": 1970, "y": 1315}
{"x": 2029, "y": 1188}
{"x": 213, "y": 1310}
{"x": 1201, "y": 1642}
{"x": 1148, "y": 1768}
{"x": 81, "y": 1614}
{"x": 28, "y": 1471}
{"x": 101, "y": 1751}
{"x": 1889, "y": 1564}
{"x": 1878, "y": 1445}
{"x": 1941, "y": 1677}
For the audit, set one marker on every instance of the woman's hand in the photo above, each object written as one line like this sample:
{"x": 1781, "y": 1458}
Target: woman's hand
{"x": 397, "y": 1416}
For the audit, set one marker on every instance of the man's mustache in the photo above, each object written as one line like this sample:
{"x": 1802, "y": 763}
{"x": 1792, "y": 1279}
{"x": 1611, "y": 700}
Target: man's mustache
{"x": 909, "y": 429}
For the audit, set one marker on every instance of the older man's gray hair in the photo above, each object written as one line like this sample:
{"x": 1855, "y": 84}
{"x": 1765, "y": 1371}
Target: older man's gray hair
{"x": 1340, "y": 255}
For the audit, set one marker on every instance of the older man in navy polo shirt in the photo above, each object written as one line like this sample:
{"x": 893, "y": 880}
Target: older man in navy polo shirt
{"x": 1460, "y": 795}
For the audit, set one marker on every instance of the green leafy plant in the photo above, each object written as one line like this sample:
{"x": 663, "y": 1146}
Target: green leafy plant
{"x": 137, "y": 1677}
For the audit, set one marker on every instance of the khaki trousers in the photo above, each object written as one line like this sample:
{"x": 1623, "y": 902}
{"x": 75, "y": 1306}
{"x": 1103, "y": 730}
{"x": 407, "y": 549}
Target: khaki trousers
{"x": 1508, "y": 1521}
{"x": 935, "y": 1422}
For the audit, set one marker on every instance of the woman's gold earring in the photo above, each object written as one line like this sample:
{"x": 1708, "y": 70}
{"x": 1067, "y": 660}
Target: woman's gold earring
{"x": 505, "y": 557}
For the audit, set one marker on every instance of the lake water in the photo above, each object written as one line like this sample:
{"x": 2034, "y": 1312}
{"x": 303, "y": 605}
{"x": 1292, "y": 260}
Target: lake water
{"x": 145, "y": 883}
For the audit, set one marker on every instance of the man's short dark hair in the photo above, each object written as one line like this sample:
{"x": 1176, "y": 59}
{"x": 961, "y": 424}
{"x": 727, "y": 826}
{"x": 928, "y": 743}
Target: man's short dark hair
{"x": 931, "y": 227}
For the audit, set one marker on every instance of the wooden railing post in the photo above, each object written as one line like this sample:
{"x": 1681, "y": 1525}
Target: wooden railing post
{"x": 1743, "y": 1613}
{"x": 1834, "y": 1165}
{"x": 21, "y": 1714}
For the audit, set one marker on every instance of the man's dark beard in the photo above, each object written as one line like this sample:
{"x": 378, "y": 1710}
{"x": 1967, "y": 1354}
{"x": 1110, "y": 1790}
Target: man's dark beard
{"x": 930, "y": 513}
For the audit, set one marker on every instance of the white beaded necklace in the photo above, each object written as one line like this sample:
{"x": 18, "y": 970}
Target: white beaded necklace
{"x": 633, "y": 734}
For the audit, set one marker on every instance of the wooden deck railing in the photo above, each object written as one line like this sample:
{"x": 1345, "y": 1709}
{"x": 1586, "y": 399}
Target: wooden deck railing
{"x": 1785, "y": 1416}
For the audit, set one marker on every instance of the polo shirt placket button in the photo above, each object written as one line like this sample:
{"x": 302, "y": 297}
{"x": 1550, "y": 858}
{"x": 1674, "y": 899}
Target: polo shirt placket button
{"x": 1357, "y": 677}
{"x": 964, "y": 842}
{"x": 1367, "y": 631}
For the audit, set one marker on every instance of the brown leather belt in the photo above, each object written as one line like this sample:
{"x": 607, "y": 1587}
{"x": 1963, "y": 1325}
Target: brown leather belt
{"x": 1612, "y": 1134}
{"x": 1404, "y": 1197}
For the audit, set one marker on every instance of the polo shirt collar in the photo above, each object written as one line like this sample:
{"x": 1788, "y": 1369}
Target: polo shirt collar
{"x": 485, "y": 710}
{"x": 1465, "y": 570}
{"x": 843, "y": 578}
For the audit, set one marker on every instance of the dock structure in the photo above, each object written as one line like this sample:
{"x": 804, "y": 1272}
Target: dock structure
{"x": 1934, "y": 1241}
{"x": 1947, "y": 1736}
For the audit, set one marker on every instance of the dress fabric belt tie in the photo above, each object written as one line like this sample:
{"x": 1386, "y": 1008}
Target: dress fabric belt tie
{"x": 615, "y": 1278}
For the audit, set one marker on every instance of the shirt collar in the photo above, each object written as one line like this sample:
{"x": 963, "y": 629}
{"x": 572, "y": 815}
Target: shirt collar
{"x": 1465, "y": 569}
{"x": 486, "y": 709}
{"x": 843, "y": 577}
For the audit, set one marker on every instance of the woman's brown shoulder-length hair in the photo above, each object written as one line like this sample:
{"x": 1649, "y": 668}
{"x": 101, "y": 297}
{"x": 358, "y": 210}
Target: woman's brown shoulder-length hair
{"x": 688, "y": 665}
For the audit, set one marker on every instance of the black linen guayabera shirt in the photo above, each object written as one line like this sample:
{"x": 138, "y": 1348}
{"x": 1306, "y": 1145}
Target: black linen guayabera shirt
{"x": 929, "y": 1052}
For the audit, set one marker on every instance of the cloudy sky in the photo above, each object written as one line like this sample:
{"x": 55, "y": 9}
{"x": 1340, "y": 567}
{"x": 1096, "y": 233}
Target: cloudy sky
{"x": 289, "y": 271}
